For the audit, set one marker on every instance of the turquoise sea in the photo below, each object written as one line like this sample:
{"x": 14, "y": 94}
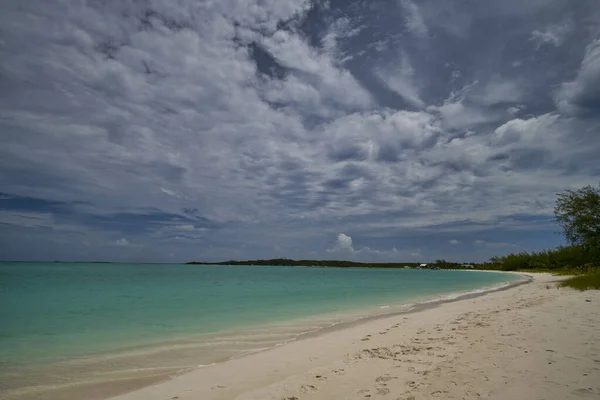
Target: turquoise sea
{"x": 65, "y": 323}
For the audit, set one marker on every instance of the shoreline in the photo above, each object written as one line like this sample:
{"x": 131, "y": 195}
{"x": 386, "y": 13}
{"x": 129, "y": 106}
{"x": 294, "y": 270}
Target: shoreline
{"x": 424, "y": 305}
{"x": 419, "y": 306}
{"x": 322, "y": 324}
{"x": 412, "y": 353}
{"x": 415, "y": 308}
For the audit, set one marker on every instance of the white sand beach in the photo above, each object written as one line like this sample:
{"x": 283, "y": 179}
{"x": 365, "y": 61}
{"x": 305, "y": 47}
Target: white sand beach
{"x": 533, "y": 341}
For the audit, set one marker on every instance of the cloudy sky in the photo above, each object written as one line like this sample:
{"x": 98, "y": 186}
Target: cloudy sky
{"x": 150, "y": 130}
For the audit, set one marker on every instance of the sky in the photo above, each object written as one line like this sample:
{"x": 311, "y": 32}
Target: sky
{"x": 367, "y": 130}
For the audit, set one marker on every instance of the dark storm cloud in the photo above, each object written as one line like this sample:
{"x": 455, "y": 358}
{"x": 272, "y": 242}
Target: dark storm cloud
{"x": 165, "y": 131}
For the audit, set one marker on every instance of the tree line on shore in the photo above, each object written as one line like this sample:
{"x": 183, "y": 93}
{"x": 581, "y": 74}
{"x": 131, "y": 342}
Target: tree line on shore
{"x": 562, "y": 258}
{"x": 578, "y": 214}
{"x": 439, "y": 264}
{"x": 568, "y": 258}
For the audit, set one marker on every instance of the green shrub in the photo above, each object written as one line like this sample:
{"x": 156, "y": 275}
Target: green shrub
{"x": 572, "y": 259}
{"x": 583, "y": 282}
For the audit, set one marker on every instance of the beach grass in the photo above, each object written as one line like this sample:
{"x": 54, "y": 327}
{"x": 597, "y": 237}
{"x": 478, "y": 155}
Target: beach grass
{"x": 583, "y": 282}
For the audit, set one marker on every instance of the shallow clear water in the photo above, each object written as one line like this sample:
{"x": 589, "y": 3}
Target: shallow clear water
{"x": 58, "y": 310}
{"x": 66, "y": 314}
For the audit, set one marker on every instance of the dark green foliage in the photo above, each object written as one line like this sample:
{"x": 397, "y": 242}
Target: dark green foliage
{"x": 583, "y": 282}
{"x": 568, "y": 259}
{"x": 442, "y": 264}
{"x": 578, "y": 212}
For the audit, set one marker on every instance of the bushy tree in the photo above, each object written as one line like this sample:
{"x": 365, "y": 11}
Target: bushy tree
{"x": 578, "y": 212}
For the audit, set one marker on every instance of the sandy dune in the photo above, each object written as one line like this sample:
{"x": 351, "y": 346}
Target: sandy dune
{"x": 529, "y": 342}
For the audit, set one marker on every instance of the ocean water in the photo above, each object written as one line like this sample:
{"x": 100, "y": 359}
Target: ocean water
{"x": 90, "y": 323}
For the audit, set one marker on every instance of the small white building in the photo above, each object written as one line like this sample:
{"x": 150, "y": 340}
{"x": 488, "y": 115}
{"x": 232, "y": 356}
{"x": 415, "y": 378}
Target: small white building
{"x": 469, "y": 266}
{"x": 423, "y": 266}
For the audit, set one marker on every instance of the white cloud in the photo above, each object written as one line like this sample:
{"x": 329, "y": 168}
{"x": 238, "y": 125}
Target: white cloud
{"x": 122, "y": 242}
{"x": 322, "y": 84}
{"x": 498, "y": 91}
{"x": 465, "y": 108}
{"x": 388, "y": 131}
{"x": 27, "y": 219}
{"x": 344, "y": 247}
{"x": 513, "y": 110}
{"x": 546, "y": 37}
{"x": 454, "y": 241}
{"x": 400, "y": 78}
{"x": 582, "y": 94}
{"x": 529, "y": 132}
{"x": 38, "y": 220}
{"x": 344, "y": 242}
{"x": 457, "y": 115}
{"x": 340, "y": 30}
{"x": 469, "y": 106}
{"x": 414, "y": 20}
{"x": 554, "y": 35}
{"x": 171, "y": 192}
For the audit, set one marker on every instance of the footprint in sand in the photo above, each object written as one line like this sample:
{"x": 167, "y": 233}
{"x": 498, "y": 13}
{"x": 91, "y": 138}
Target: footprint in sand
{"x": 379, "y": 352}
{"x": 320, "y": 377}
{"x": 308, "y": 388}
{"x": 584, "y": 391}
{"x": 385, "y": 378}
{"x": 413, "y": 384}
{"x": 383, "y": 391}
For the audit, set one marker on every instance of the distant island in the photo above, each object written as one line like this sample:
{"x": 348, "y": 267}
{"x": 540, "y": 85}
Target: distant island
{"x": 439, "y": 264}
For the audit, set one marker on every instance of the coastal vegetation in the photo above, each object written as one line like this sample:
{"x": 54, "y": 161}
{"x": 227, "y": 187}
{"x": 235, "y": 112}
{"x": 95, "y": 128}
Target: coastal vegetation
{"x": 564, "y": 259}
{"x": 583, "y": 282}
{"x": 578, "y": 213}
{"x": 439, "y": 264}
